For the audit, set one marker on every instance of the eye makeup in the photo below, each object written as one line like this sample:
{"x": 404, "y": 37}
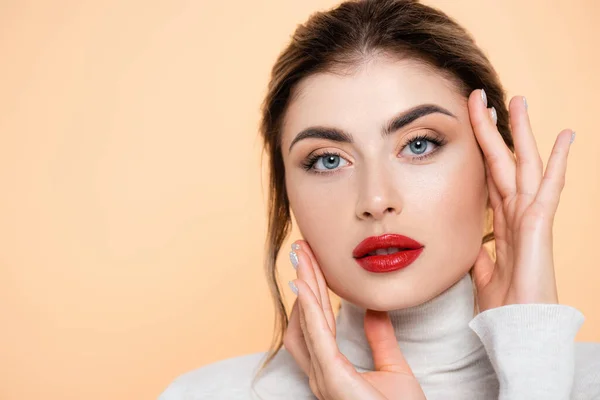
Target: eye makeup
{"x": 321, "y": 157}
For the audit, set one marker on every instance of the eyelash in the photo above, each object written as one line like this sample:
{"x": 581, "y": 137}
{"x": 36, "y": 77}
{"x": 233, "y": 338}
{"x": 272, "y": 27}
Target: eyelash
{"x": 312, "y": 159}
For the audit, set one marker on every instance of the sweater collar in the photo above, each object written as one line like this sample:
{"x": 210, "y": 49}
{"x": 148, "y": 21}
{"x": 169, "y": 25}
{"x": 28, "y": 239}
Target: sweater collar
{"x": 433, "y": 336}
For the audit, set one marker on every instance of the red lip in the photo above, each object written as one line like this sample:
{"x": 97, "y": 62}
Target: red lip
{"x": 409, "y": 251}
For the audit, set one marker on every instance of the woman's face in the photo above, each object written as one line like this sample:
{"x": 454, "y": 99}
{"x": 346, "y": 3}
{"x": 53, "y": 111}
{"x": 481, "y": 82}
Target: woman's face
{"x": 355, "y": 181}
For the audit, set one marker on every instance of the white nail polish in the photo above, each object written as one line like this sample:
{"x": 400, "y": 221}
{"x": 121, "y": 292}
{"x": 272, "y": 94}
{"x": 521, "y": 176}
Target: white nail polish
{"x": 294, "y": 259}
{"x": 572, "y": 137}
{"x": 295, "y": 246}
{"x": 494, "y": 115}
{"x": 293, "y": 287}
{"x": 525, "y": 102}
{"x": 484, "y": 97}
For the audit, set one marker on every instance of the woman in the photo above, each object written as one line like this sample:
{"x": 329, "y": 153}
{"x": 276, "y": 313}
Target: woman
{"x": 390, "y": 141}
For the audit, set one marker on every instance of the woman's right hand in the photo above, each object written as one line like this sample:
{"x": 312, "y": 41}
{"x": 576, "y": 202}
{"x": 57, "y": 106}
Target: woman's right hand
{"x": 310, "y": 338}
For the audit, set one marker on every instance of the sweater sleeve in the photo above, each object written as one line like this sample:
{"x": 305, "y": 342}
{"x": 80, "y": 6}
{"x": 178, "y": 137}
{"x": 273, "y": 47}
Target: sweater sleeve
{"x": 531, "y": 347}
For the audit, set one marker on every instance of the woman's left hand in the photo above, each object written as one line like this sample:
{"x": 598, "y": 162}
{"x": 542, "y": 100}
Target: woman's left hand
{"x": 524, "y": 199}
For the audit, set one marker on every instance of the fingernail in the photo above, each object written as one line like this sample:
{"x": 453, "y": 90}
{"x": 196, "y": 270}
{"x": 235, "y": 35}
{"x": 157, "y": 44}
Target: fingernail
{"x": 525, "y": 102}
{"x": 295, "y": 246}
{"x": 293, "y": 287}
{"x": 572, "y": 137}
{"x": 494, "y": 115}
{"x": 294, "y": 259}
{"x": 483, "y": 97}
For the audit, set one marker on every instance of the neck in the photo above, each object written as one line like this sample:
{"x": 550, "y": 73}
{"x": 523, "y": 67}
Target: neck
{"x": 432, "y": 335}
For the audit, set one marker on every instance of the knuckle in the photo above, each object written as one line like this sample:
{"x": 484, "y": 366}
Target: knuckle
{"x": 492, "y": 159}
{"x": 558, "y": 152}
{"x": 536, "y": 218}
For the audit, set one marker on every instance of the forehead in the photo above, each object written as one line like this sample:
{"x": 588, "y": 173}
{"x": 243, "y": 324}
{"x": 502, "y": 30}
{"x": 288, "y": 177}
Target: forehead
{"x": 369, "y": 95}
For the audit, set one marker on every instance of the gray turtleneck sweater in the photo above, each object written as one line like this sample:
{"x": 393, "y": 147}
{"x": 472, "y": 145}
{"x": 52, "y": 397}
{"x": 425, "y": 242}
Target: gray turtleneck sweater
{"x": 508, "y": 353}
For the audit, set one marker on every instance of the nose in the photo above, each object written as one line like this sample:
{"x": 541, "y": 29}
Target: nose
{"x": 378, "y": 195}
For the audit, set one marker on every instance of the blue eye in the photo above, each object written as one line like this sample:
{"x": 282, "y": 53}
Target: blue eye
{"x": 324, "y": 162}
{"x": 330, "y": 162}
{"x": 420, "y": 144}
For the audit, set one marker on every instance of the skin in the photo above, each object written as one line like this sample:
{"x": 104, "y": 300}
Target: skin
{"x": 439, "y": 201}
{"x": 381, "y": 188}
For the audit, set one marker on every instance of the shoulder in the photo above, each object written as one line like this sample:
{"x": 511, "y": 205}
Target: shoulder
{"x": 222, "y": 379}
{"x": 232, "y": 379}
{"x": 586, "y": 385}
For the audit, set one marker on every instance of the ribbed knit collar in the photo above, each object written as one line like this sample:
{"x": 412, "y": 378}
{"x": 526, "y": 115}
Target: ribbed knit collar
{"x": 434, "y": 336}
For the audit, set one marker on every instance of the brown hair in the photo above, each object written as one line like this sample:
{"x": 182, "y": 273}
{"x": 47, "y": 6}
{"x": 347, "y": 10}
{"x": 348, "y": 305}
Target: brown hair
{"x": 344, "y": 37}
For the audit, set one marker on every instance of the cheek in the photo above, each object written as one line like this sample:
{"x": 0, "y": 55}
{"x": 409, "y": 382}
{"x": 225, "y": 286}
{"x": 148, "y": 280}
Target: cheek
{"x": 459, "y": 201}
{"x": 324, "y": 210}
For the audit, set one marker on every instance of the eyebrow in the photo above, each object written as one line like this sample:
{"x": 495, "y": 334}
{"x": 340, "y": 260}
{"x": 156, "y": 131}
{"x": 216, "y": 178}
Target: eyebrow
{"x": 397, "y": 122}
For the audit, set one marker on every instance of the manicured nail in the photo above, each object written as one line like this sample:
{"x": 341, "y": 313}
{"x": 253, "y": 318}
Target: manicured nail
{"x": 294, "y": 259}
{"x": 572, "y": 137}
{"x": 494, "y": 115}
{"x": 295, "y": 246}
{"x": 483, "y": 97}
{"x": 525, "y": 102}
{"x": 293, "y": 287}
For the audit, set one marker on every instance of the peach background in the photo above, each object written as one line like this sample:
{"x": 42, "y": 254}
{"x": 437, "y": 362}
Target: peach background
{"x": 132, "y": 216}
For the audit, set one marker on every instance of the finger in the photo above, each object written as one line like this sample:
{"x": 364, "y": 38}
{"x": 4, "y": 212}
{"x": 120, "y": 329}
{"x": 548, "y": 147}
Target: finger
{"x": 305, "y": 272}
{"x": 497, "y": 154}
{"x": 322, "y": 283}
{"x": 529, "y": 163}
{"x": 493, "y": 115}
{"x": 333, "y": 373}
{"x": 311, "y": 334}
{"x": 495, "y": 197}
{"x": 315, "y": 372}
{"x": 294, "y": 342}
{"x": 499, "y": 219}
{"x": 384, "y": 345}
{"x": 318, "y": 337}
{"x": 501, "y": 234}
{"x": 555, "y": 176}
{"x": 314, "y": 384}
{"x": 483, "y": 269}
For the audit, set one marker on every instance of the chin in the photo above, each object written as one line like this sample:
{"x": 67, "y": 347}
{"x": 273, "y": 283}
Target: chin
{"x": 391, "y": 298}
{"x": 401, "y": 291}
{"x": 392, "y": 301}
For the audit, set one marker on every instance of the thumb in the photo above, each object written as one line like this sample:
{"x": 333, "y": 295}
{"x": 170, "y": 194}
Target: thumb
{"x": 483, "y": 269}
{"x": 384, "y": 346}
